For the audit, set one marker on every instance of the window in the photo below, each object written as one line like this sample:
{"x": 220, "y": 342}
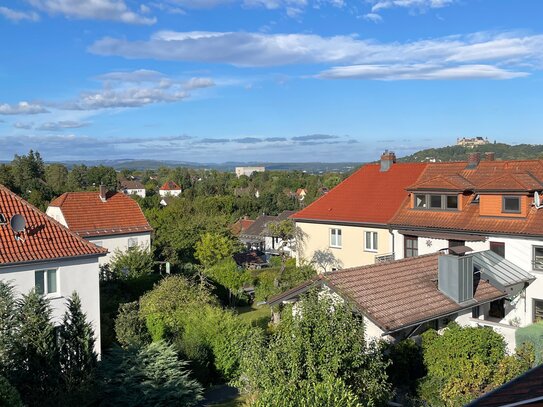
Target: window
{"x": 475, "y": 312}
{"x": 498, "y": 248}
{"x": 456, "y": 243}
{"x": 411, "y": 246}
{"x": 436, "y": 201}
{"x": 46, "y": 281}
{"x": 497, "y": 309}
{"x": 538, "y": 310}
{"x": 511, "y": 204}
{"x": 132, "y": 242}
{"x": 538, "y": 258}
{"x": 335, "y": 237}
{"x": 370, "y": 241}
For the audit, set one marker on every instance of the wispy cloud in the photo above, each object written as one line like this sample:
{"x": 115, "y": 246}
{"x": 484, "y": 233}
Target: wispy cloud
{"x": 61, "y": 125}
{"x": 22, "y": 108}
{"x": 420, "y": 5}
{"x": 479, "y": 55}
{"x": 115, "y": 10}
{"x": 314, "y": 137}
{"x": 22, "y": 125}
{"x": 17, "y": 15}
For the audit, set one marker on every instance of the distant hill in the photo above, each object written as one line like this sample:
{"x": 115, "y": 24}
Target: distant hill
{"x": 459, "y": 153}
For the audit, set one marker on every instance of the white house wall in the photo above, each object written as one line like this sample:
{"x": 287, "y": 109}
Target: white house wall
{"x": 138, "y": 192}
{"x": 164, "y": 193}
{"x": 119, "y": 242}
{"x": 81, "y": 275}
{"x": 56, "y": 213}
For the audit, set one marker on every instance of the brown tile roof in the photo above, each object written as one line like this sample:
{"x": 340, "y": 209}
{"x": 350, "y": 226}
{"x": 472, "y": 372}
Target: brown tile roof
{"x": 505, "y": 176}
{"x": 170, "y": 186}
{"x": 258, "y": 227}
{"x": 367, "y": 196}
{"x": 521, "y": 390}
{"x": 240, "y": 226}
{"x": 88, "y": 216}
{"x": 398, "y": 294}
{"x": 128, "y": 184}
{"x": 44, "y": 239}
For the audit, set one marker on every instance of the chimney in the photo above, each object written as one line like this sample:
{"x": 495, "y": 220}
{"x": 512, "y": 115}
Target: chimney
{"x": 473, "y": 160}
{"x": 490, "y": 156}
{"x": 455, "y": 277}
{"x": 387, "y": 159}
{"x": 103, "y": 192}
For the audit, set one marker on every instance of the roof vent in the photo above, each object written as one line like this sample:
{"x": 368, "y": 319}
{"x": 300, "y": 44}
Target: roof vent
{"x": 103, "y": 193}
{"x": 490, "y": 156}
{"x": 455, "y": 277}
{"x": 18, "y": 225}
{"x": 387, "y": 159}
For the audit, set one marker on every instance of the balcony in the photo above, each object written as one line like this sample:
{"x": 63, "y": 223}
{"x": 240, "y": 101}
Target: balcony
{"x": 383, "y": 258}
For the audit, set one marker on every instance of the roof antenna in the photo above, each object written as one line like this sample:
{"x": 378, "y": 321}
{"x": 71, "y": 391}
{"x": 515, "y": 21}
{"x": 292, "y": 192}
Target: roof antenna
{"x": 18, "y": 225}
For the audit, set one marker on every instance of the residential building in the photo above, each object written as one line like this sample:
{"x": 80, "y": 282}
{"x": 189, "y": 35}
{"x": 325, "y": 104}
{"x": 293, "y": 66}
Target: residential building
{"x": 241, "y": 225}
{"x": 258, "y": 237}
{"x": 108, "y": 219}
{"x": 248, "y": 171}
{"x": 472, "y": 142}
{"x": 133, "y": 187}
{"x": 350, "y": 222}
{"x": 170, "y": 188}
{"x": 39, "y": 253}
{"x": 487, "y": 205}
{"x": 402, "y": 298}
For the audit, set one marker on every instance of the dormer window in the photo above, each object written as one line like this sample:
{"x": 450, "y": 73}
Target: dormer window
{"x": 436, "y": 201}
{"x": 511, "y": 204}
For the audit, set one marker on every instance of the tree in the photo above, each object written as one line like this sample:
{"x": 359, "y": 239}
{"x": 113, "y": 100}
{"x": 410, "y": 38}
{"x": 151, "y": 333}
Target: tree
{"x": 228, "y": 274}
{"x": 77, "y": 357}
{"x": 8, "y": 326}
{"x": 212, "y": 248}
{"x": 318, "y": 346}
{"x": 102, "y": 175}
{"x": 9, "y": 396}
{"x": 35, "y": 354}
{"x": 26, "y": 168}
{"x": 77, "y": 178}
{"x": 133, "y": 263}
{"x": 56, "y": 176}
{"x": 150, "y": 376}
{"x": 130, "y": 327}
{"x": 289, "y": 235}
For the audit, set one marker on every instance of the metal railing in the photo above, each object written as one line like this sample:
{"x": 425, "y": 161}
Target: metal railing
{"x": 383, "y": 258}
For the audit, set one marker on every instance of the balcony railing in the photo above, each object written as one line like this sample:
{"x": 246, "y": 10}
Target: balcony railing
{"x": 382, "y": 258}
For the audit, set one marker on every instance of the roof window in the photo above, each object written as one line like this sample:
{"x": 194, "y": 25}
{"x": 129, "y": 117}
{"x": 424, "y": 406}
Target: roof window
{"x": 2, "y": 219}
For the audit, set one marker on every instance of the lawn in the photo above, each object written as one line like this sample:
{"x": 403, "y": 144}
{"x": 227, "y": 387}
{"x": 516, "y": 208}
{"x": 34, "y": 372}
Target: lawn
{"x": 256, "y": 315}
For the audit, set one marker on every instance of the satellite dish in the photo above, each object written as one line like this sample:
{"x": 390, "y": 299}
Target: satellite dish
{"x": 537, "y": 200}
{"x": 18, "y": 223}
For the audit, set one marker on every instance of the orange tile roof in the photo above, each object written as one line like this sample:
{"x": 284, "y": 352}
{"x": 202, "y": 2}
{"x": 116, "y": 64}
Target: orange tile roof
{"x": 170, "y": 186}
{"x": 488, "y": 176}
{"x": 44, "y": 238}
{"x": 88, "y": 216}
{"x": 367, "y": 196}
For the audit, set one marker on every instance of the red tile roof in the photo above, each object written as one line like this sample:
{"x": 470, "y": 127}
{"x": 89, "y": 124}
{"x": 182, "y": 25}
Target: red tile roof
{"x": 87, "y": 215}
{"x": 170, "y": 186}
{"x": 367, "y": 196}
{"x": 44, "y": 238}
{"x": 241, "y": 226}
{"x": 488, "y": 176}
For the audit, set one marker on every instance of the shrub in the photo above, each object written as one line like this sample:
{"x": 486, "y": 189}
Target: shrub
{"x": 532, "y": 334}
{"x": 130, "y": 328}
{"x": 133, "y": 263}
{"x": 9, "y": 397}
{"x": 407, "y": 364}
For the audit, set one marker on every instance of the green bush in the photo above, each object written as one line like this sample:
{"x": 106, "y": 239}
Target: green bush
{"x": 133, "y": 263}
{"x": 406, "y": 364}
{"x": 532, "y": 334}
{"x": 9, "y": 397}
{"x": 130, "y": 328}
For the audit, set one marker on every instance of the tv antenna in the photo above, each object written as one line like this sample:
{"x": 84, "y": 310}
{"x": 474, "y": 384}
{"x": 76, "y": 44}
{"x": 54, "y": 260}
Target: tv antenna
{"x": 18, "y": 225}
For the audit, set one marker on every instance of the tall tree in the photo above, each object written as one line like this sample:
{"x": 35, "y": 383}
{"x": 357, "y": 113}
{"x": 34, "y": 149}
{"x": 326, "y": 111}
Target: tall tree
{"x": 77, "y": 357}
{"x": 26, "y": 168}
{"x": 8, "y": 326}
{"x": 212, "y": 248}
{"x": 56, "y": 176}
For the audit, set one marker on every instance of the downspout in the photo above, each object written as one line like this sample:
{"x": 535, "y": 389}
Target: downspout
{"x": 393, "y": 245}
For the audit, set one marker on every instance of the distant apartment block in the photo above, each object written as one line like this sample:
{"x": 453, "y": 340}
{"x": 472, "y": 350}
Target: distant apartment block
{"x": 248, "y": 170}
{"x": 471, "y": 142}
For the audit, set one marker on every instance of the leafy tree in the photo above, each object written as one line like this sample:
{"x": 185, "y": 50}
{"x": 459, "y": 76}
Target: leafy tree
{"x": 56, "y": 176}
{"x": 102, "y": 175}
{"x": 9, "y": 396}
{"x": 228, "y": 274}
{"x": 150, "y": 376}
{"x": 130, "y": 327}
{"x": 77, "y": 357}
{"x": 26, "y": 168}
{"x": 320, "y": 345}
{"x": 77, "y": 178}
{"x": 212, "y": 248}
{"x": 290, "y": 236}
{"x": 135, "y": 262}
{"x": 6, "y": 177}
{"x": 35, "y": 354}
{"x": 8, "y": 325}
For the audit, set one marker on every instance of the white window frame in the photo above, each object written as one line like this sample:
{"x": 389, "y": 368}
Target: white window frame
{"x": 336, "y": 238}
{"x": 535, "y": 264}
{"x": 46, "y": 276}
{"x": 371, "y": 244}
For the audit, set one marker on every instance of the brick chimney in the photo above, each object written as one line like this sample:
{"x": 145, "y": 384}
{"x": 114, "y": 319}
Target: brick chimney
{"x": 473, "y": 160}
{"x": 490, "y": 156}
{"x": 103, "y": 193}
{"x": 387, "y": 159}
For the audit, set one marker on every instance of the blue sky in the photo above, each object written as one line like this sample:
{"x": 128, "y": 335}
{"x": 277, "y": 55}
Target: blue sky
{"x": 266, "y": 80}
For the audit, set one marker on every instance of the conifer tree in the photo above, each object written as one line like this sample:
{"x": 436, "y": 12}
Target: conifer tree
{"x": 8, "y": 324}
{"x": 77, "y": 357}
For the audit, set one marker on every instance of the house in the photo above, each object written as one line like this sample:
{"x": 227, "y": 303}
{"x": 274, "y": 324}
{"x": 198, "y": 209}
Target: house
{"x": 401, "y": 298}
{"x": 37, "y": 252}
{"x": 170, "y": 188}
{"x": 258, "y": 237}
{"x": 471, "y": 142}
{"x": 351, "y": 222}
{"x": 487, "y": 205}
{"x": 133, "y": 187}
{"x": 241, "y": 225}
{"x": 111, "y": 220}
{"x": 248, "y": 171}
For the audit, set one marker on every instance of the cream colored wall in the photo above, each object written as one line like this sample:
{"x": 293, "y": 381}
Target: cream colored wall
{"x": 352, "y": 253}
{"x": 119, "y": 242}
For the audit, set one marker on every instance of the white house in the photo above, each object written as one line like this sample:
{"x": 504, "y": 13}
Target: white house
{"x": 108, "y": 219}
{"x": 42, "y": 254}
{"x": 133, "y": 188}
{"x": 170, "y": 188}
{"x": 248, "y": 171}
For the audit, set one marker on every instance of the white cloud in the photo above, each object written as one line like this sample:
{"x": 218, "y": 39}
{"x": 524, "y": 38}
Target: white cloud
{"x": 410, "y": 4}
{"x": 24, "y": 126}
{"x": 15, "y": 15}
{"x": 115, "y": 10}
{"x": 198, "y": 83}
{"x": 479, "y": 55}
{"x": 61, "y": 125}
{"x": 22, "y": 108}
{"x": 374, "y": 17}
{"x": 140, "y": 75}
